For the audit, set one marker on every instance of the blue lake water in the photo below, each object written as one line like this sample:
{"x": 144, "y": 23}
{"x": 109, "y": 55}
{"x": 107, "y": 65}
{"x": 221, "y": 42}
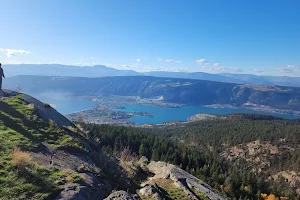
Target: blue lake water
{"x": 67, "y": 106}
{"x": 161, "y": 114}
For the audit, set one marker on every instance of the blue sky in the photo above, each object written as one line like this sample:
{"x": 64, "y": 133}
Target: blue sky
{"x": 236, "y": 36}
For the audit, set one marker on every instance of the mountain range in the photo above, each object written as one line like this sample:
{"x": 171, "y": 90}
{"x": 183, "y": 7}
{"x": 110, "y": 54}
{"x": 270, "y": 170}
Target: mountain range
{"x": 102, "y": 71}
{"x": 173, "y": 90}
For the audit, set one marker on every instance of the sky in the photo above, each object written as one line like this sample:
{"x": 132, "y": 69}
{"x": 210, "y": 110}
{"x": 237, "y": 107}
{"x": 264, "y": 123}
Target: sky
{"x": 215, "y": 36}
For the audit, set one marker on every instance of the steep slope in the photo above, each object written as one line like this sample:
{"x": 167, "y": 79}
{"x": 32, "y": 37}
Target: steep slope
{"x": 183, "y": 91}
{"x": 40, "y": 157}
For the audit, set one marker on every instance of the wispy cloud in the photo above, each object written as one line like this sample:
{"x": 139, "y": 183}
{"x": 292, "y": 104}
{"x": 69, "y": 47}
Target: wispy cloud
{"x": 13, "y": 52}
{"x": 288, "y": 69}
{"x": 111, "y": 65}
{"x": 216, "y": 65}
{"x": 220, "y": 69}
{"x": 202, "y": 61}
{"x": 259, "y": 70}
{"x": 138, "y": 60}
{"x": 159, "y": 59}
{"x": 173, "y": 61}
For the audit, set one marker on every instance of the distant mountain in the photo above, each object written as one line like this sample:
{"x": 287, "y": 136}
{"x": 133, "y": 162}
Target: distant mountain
{"x": 232, "y": 78}
{"x": 183, "y": 91}
{"x": 65, "y": 70}
{"x": 103, "y": 71}
{"x": 194, "y": 75}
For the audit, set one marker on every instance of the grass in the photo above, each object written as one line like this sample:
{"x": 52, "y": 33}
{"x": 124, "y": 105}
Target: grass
{"x": 173, "y": 191}
{"x": 22, "y": 118}
{"x": 22, "y": 131}
{"x": 200, "y": 195}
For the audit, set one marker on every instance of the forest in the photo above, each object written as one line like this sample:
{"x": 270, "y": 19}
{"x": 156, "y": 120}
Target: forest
{"x": 197, "y": 148}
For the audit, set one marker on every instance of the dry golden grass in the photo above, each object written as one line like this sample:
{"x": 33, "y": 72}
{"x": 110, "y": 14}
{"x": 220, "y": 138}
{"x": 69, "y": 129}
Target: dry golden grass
{"x": 20, "y": 158}
{"x": 30, "y": 106}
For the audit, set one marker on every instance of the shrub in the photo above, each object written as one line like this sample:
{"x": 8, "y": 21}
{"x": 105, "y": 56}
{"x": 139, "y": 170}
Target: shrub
{"x": 20, "y": 158}
{"x": 46, "y": 105}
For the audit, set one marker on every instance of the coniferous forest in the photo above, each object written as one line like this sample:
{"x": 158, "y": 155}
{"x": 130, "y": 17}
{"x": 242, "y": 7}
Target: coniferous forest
{"x": 202, "y": 147}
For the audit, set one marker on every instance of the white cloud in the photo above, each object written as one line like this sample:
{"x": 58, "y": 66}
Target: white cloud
{"x": 173, "y": 61}
{"x": 183, "y": 70}
{"x": 92, "y": 58}
{"x": 126, "y": 66}
{"x": 13, "y": 52}
{"x": 216, "y": 65}
{"x": 138, "y": 60}
{"x": 159, "y": 59}
{"x": 111, "y": 65}
{"x": 202, "y": 61}
{"x": 289, "y": 69}
{"x": 259, "y": 70}
{"x": 220, "y": 69}
{"x": 147, "y": 68}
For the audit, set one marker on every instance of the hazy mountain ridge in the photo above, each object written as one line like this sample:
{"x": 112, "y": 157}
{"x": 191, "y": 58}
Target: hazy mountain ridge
{"x": 102, "y": 71}
{"x": 182, "y": 91}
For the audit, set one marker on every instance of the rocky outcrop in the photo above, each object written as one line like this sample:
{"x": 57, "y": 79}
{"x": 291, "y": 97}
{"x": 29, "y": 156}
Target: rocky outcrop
{"x": 183, "y": 180}
{"x": 91, "y": 187}
{"x": 152, "y": 191}
{"x": 122, "y": 195}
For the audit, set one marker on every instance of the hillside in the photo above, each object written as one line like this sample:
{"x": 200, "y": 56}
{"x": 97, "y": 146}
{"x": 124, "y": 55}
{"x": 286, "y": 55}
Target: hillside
{"x": 182, "y": 91}
{"x": 41, "y": 156}
{"x": 45, "y": 156}
{"x": 266, "y": 146}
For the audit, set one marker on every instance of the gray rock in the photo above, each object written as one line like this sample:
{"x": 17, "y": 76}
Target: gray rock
{"x": 122, "y": 195}
{"x": 183, "y": 179}
{"x": 152, "y": 191}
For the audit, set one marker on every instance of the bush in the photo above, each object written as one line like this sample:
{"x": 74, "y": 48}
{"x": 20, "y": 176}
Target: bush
{"x": 19, "y": 158}
{"x": 46, "y": 105}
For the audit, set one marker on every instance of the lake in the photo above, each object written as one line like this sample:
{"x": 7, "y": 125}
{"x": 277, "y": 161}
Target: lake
{"x": 161, "y": 114}
{"x": 67, "y": 105}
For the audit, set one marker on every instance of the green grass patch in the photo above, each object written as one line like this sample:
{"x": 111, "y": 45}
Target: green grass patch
{"x": 21, "y": 127}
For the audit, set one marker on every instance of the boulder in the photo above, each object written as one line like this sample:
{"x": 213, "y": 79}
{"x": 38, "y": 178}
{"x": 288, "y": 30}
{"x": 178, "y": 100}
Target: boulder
{"x": 150, "y": 190}
{"x": 122, "y": 195}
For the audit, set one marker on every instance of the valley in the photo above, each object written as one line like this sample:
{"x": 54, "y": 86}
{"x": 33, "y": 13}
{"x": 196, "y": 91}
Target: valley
{"x": 152, "y": 100}
{"x": 131, "y": 110}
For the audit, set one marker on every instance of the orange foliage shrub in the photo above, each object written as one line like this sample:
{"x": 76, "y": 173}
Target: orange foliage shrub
{"x": 269, "y": 197}
{"x": 272, "y": 197}
{"x": 20, "y": 158}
